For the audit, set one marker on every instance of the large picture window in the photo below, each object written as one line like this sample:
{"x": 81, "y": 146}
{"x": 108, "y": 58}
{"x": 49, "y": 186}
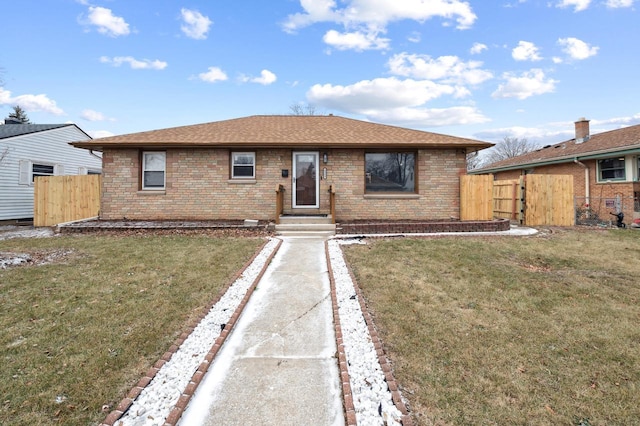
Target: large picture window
{"x": 153, "y": 170}
{"x": 243, "y": 165}
{"x": 612, "y": 169}
{"x": 390, "y": 172}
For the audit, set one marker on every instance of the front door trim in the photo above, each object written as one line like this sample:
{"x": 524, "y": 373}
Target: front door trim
{"x": 297, "y": 202}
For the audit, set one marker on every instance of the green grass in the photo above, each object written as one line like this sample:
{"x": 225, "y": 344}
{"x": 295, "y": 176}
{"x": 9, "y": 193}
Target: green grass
{"x": 85, "y": 329}
{"x": 537, "y": 330}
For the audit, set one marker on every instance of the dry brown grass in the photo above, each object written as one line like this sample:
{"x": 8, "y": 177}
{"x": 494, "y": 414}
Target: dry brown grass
{"x": 501, "y": 330}
{"x": 80, "y": 332}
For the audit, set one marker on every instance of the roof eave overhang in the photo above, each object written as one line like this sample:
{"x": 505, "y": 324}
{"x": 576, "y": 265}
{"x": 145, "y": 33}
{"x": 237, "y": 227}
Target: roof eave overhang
{"x": 240, "y": 145}
{"x": 605, "y": 153}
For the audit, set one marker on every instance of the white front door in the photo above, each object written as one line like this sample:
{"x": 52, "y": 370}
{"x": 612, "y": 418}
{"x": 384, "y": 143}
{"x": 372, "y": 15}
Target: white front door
{"x": 306, "y": 188}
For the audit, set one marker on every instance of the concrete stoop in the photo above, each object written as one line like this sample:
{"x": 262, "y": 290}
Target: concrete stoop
{"x": 306, "y": 226}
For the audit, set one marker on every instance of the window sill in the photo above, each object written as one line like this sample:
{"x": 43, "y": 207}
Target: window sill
{"x": 152, "y": 192}
{"x": 604, "y": 182}
{"x": 394, "y": 196}
{"x": 243, "y": 181}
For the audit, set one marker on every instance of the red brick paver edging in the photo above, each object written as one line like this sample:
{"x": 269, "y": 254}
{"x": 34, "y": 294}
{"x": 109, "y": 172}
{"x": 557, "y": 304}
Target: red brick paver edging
{"x": 177, "y": 411}
{"x": 350, "y": 413}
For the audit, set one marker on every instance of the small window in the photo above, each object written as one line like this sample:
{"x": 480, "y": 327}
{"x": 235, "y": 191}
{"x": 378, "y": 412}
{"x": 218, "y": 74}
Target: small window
{"x": 612, "y": 169}
{"x": 41, "y": 170}
{"x": 390, "y": 172}
{"x": 243, "y": 165}
{"x": 153, "y": 170}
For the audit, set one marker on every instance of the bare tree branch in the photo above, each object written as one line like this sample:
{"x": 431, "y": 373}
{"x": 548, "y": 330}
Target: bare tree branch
{"x": 509, "y": 148}
{"x": 302, "y": 109}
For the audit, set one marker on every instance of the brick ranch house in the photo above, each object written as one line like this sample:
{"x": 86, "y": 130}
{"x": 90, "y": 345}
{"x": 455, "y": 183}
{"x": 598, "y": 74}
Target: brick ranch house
{"x": 605, "y": 168}
{"x": 230, "y": 170}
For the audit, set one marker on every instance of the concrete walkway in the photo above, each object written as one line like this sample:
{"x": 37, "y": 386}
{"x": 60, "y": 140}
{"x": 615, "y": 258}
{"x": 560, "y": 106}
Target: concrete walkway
{"x": 278, "y": 366}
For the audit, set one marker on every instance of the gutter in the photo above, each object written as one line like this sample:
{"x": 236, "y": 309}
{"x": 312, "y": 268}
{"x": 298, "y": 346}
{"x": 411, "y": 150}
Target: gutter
{"x": 587, "y": 189}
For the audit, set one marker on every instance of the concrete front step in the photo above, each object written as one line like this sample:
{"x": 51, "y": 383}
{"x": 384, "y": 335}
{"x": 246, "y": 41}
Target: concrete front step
{"x": 297, "y": 229}
{"x": 295, "y": 219}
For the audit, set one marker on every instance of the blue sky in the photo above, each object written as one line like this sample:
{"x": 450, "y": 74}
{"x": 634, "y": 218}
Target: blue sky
{"x": 479, "y": 69}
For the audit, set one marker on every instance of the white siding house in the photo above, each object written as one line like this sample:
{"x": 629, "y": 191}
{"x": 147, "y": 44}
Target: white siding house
{"x": 31, "y": 150}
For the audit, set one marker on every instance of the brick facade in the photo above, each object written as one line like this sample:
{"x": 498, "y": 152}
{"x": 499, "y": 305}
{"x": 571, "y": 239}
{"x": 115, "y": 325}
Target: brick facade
{"x": 198, "y": 187}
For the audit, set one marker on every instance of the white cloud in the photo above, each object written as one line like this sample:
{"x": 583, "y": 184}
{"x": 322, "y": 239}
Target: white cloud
{"x": 366, "y": 17}
{"x": 100, "y": 134}
{"x": 30, "y": 103}
{"x": 266, "y": 78}
{"x": 578, "y": 5}
{"x": 380, "y": 93}
{"x": 106, "y": 22}
{"x": 195, "y": 25}
{"x": 91, "y": 115}
{"x": 477, "y": 48}
{"x": 526, "y": 51}
{"x": 136, "y": 64}
{"x": 577, "y": 49}
{"x": 614, "y": 4}
{"x": 357, "y": 41}
{"x": 429, "y": 117}
{"x": 449, "y": 69}
{"x": 415, "y": 37}
{"x": 528, "y": 84}
{"x": 212, "y": 75}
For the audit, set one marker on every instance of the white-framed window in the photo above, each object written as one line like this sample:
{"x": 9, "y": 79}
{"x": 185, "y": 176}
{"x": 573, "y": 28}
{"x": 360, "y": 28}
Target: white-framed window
{"x": 153, "y": 170}
{"x": 612, "y": 169}
{"x": 243, "y": 165}
{"x": 29, "y": 170}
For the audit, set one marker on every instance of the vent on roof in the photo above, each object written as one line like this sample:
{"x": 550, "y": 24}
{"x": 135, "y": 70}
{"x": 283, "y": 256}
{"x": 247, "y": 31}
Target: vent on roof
{"x": 12, "y": 121}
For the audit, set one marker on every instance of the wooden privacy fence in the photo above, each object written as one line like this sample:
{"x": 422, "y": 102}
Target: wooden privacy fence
{"x": 534, "y": 200}
{"x": 59, "y": 199}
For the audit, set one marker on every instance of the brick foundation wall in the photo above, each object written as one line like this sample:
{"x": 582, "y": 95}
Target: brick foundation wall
{"x": 198, "y": 187}
{"x": 422, "y": 227}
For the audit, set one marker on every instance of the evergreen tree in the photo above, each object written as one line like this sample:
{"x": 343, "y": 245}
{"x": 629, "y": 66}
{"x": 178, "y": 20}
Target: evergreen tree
{"x": 19, "y": 115}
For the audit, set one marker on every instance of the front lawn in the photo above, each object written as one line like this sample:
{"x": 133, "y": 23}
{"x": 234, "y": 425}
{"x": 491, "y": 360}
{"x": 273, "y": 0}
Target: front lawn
{"x": 503, "y": 330}
{"x": 76, "y": 334}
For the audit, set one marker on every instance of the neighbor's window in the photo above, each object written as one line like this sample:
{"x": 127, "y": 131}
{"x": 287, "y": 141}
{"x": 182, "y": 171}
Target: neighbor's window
{"x": 41, "y": 170}
{"x": 153, "y": 170}
{"x": 390, "y": 172}
{"x": 243, "y": 165}
{"x": 611, "y": 169}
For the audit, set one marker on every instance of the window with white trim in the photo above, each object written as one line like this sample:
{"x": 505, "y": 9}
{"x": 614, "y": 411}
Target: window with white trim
{"x": 611, "y": 169}
{"x": 153, "y": 170}
{"x": 41, "y": 170}
{"x": 243, "y": 165}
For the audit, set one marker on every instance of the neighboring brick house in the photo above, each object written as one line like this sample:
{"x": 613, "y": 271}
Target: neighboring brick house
{"x": 605, "y": 167}
{"x": 230, "y": 170}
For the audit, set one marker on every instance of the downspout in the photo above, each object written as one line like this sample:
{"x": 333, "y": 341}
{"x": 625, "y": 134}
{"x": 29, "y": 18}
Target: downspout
{"x": 95, "y": 155}
{"x": 586, "y": 181}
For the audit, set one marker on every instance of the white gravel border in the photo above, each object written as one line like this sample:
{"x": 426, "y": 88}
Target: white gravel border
{"x": 372, "y": 399}
{"x": 155, "y": 402}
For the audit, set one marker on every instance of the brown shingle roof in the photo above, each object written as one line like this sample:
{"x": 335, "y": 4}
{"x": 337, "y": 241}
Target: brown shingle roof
{"x": 263, "y": 131}
{"x": 611, "y": 142}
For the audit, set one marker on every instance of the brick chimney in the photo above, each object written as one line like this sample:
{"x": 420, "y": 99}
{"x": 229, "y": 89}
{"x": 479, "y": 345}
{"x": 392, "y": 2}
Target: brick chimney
{"x": 582, "y": 130}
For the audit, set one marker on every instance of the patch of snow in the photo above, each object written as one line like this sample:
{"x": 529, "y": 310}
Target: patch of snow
{"x": 9, "y": 232}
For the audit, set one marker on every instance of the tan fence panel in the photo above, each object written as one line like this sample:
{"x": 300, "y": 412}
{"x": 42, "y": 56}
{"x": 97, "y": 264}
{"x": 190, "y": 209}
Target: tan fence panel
{"x": 549, "y": 200}
{"x": 507, "y": 196}
{"x": 476, "y": 195}
{"x": 59, "y": 199}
